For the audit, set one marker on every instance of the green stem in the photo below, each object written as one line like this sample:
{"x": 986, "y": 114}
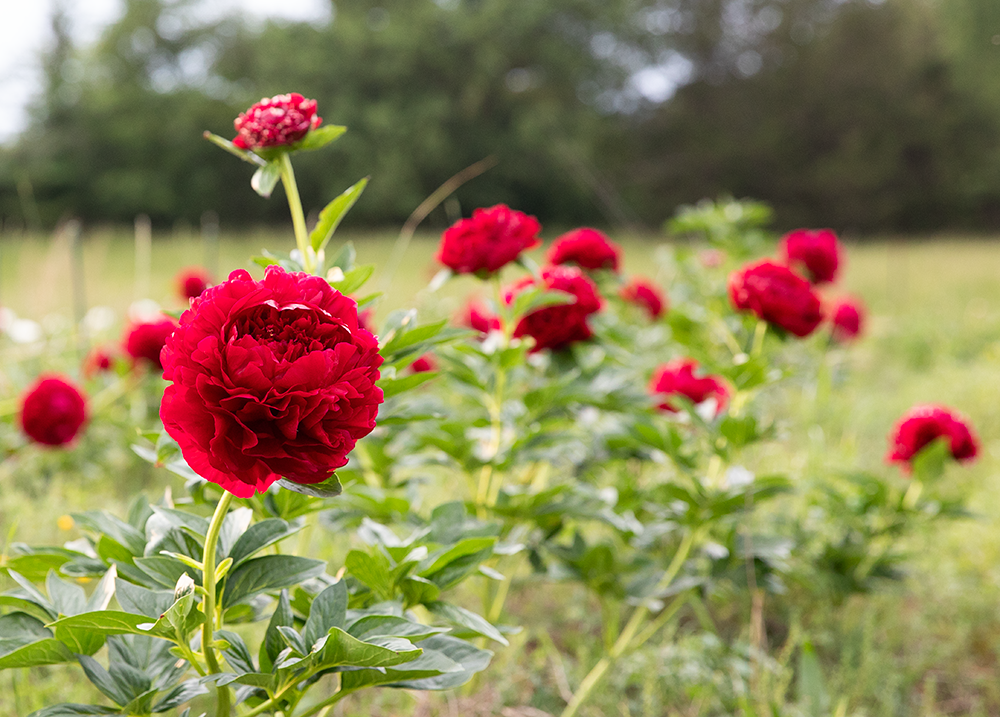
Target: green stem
{"x": 631, "y": 628}
{"x": 758, "y": 338}
{"x": 298, "y": 218}
{"x": 208, "y": 582}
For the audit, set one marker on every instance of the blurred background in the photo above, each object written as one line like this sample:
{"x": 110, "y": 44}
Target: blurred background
{"x": 869, "y": 116}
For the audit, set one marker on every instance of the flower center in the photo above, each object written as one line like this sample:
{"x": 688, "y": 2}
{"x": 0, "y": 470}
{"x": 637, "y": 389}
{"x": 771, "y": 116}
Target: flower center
{"x": 289, "y": 331}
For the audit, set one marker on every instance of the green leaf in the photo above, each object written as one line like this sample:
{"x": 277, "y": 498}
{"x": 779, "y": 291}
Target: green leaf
{"x": 372, "y": 626}
{"x": 166, "y": 570}
{"x": 373, "y": 570}
{"x": 399, "y": 340}
{"x": 329, "y": 609}
{"x": 265, "y": 178}
{"x": 125, "y": 534}
{"x": 319, "y": 137}
{"x": 354, "y": 279}
{"x": 465, "y": 618}
{"x": 342, "y": 650}
{"x": 345, "y": 258}
{"x": 237, "y": 654}
{"x": 43, "y": 613}
{"x": 269, "y": 572}
{"x": 140, "y": 601}
{"x": 130, "y": 680}
{"x": 103, "y": 681}
{"x": 272, "y": 645}
{"x": 333, "y": 213}
{"x": 180, "y": 694}
{"x": 430, "y": 664}
{"x": 394, "y": 386}
{"x": 812, "y": 692}
{"x": 233, "y": 149}
{"x": 74, "y": 710}
{"x": 329, "y": 488}
{"x": 261, "y": 535}
{"x": 47, "y": 651}
{"x": 448, "y": 565}
{"x": 531, "y": 300}
{"x": 68, "y": 598}
{"x": 471, "y": 659}
{"x": 293, "y": 639}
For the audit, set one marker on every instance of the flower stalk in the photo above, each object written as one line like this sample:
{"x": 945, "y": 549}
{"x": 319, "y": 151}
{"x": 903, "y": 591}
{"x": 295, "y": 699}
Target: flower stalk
{"x": 208, "y": 583}
{"x": 298, "y": 217}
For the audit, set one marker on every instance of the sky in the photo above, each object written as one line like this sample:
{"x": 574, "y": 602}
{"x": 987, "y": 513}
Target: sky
{"x": 25, "y": 32}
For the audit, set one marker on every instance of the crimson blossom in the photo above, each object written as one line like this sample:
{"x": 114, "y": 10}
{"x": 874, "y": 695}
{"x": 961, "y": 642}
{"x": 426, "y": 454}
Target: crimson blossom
{"x": 922, "y": 425}
{"x": 488, "y": 240}
{"x": 270, "y": 379}
{"x": 556, "y": 327}
{"x": 587, "y": 248}
{"x": 53, "y": 410}
{"x": 818, "y": 252}
{"x": 678, "y": 378}
{"x": 479, "y": 318}
{"x": 777, "y": 295}
{"x": 646, "y": 294}
{"x": 425, "y": 363}
{"x": 97, "y": 361}
{"x": 276, "y": 122}
{"x": 847, "y": 318}
{"x": 144, "y": 340}
{"x": 192, "y": 281}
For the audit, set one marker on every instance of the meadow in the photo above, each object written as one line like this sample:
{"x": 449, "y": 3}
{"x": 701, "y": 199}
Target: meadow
{"x": 923, "y": 645}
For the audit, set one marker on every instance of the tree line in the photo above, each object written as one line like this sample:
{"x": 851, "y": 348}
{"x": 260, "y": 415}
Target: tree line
{"x": 860, "y": 115}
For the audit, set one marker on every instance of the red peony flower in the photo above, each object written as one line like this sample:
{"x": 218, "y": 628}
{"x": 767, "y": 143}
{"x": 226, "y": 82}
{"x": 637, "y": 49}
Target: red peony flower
{"x": 587, "y": 248}
{"x": 478, "y": 317}
{"x": 677, "y": 378}
{"x": 818, "y": 252}
{"x": 847, "y": 317}
{"x": 97, "y": 361}
{"x": 555, "y": 327}
{"x": 778, "y": 295}
{"x": 53, "y": 411}
{"x": 646, "y": 294}
{"x": 271, "y": 379}
{"x": 276, "y": 122}
{"x": 192, "y": 281}
{"x": 145, "y": 340}
{"x": 487, "y": 241}
{"x": 923, "y": 424}
{"x": 425, "y": 363}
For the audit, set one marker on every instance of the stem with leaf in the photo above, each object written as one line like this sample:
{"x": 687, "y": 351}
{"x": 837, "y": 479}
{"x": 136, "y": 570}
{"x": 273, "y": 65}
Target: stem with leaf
{"x": 298, "y": 217}
{"x": 208, "y": 583}
{"x": 624, "y": 641}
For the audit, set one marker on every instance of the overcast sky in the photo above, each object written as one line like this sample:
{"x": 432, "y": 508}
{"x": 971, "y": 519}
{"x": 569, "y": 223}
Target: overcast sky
{"x": 24, "y": 34}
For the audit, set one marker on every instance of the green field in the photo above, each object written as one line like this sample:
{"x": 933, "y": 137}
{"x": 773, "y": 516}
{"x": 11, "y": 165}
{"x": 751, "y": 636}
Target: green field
{"x": 925, "y": 646}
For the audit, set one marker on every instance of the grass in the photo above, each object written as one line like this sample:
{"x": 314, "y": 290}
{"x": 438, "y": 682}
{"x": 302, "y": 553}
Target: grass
{"x": 925, "y": 646}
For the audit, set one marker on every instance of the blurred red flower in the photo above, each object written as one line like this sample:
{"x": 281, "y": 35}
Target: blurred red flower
{"x": 587, "y": 248}
{"x": 488, "y": 240}
{"x": 677, "y": 378}
{"x": 923, "y": 424}
{"x": 144, "y": 340}
{"x": 53, "y": 410}
{"x": 192, "y": 281}
{"x": 817, "y": 252}
{"x": 97, "y": 361}
{"x": 270, "y": 379}
{"x": 478, "y": 317}
{"x": 276, "y": 122}
{"x": 555, "y": 327}
{"x": 425, "y": 363}
{"x": 847, "y": 317}
{"x": 777, "y": 295}
{"x": 646, "y": 294}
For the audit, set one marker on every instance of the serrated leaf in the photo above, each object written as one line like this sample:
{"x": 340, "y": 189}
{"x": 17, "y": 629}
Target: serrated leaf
{"x": 265, "y": 178}
{"x": 333, "y": 213}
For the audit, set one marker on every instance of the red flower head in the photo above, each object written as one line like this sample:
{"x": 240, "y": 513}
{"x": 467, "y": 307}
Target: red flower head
{"x": 922, "y": 425}
{"x": 271, "y": 379}
{"x": 818, "y": 252}
{"x": 645, "y": 294}
{"x": 778, "y": 295}
{"x": 53, "y": 411}
{"x": 847, "y": 317}
{"x": 145, "y": 340}
{"x": 97, "y": 361}
{"x": 478, "y": 317}
{"x": 555, "y": 327}
{"x": 677, "y": 378}
{"x": 587, "y": 248}
{"x": 425, "y": 363}
{"x": 366, "y": 320}
{"x": 276, "y": 122}
{"x": 487, "y": 241}
{"x": 192, "y": 281}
